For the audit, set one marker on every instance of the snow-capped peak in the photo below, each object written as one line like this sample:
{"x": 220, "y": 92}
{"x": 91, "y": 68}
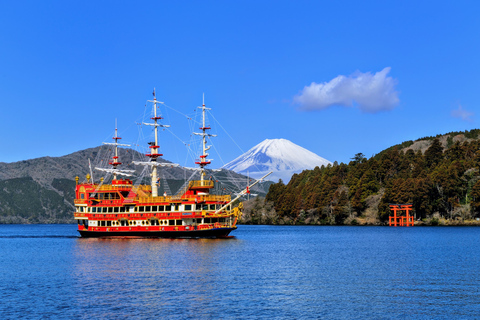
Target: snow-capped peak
{"x": 281, "y": 156}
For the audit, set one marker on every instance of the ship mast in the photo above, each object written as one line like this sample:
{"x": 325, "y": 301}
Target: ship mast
{"x": 154, "y": 154}
{"x": 203, "y": 157}
{"x": 114, "y": 163}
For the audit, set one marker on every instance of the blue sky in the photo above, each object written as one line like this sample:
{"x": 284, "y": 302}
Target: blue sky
{"x": 336, "y": 77}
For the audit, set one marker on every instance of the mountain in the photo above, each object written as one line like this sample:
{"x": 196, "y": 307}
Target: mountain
{"x": 41, "y": 190}
{"x": 439, "y": 176}
{"x": 281, "y": 156}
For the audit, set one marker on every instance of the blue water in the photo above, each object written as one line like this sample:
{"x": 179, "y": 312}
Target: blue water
{"x": 271, "y": 272}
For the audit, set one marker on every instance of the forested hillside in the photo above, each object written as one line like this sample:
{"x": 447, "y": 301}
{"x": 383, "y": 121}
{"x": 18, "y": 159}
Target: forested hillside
{"x": 438, "y": 175}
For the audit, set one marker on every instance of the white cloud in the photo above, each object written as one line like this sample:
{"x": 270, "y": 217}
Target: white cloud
{"x": 462, "y": 114}
{"x": 369, "y": 92}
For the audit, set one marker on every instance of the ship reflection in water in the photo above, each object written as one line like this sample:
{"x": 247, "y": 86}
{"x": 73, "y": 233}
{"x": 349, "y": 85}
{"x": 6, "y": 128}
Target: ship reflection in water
{"x": 159, "y": 274}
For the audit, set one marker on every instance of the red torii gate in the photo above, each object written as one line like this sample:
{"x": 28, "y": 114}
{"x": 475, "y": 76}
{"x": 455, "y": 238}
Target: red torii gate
{"x": 402, "y": 221}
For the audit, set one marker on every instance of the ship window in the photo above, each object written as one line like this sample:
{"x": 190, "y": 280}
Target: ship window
{"x": 221, "y": 220}
{"x": 82, "y": 196}
{"x": 100, "y": 196}
{"x": 109, "y": 223}
{"x": 110, "y": 209}
{"x": 136, "y": 209}
{"x": 171, "y": 222}
{"x": 141, "y": 209}
{"x": 122, "y": 209}
{"x": 154, "y": 208}
{"x": 115, "y": 209}
{"x": 168, "y": 208}
{"x": 148, "y": 208}
{"x": 205, "y": 207}
{"x": 199, "y": 220}
{"x": 179, "y": 222}
{"x": 198, "y": 207}
{"x": 188, "y": 207}
{"x": 214, "y": 220}
{"x": 212, "y": 207}
{"x": 161, "y": 208}
{"x": 207, "y": 220}
{"x": 94, "y": 209}
{"x": 81, "y": 209}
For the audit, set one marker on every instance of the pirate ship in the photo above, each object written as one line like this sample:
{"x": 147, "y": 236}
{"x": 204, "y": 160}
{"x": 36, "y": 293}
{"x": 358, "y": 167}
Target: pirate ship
{"x": 124, "y": 209}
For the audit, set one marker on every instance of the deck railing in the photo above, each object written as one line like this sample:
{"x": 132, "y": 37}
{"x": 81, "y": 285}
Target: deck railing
{"x": 200, "y": 184}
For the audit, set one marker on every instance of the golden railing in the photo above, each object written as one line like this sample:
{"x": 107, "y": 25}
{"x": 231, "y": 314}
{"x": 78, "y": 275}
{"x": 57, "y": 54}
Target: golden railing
{"x": 108, "y": 187}
{"x": 199, "y": 184}
{"x": 224, "y": 198}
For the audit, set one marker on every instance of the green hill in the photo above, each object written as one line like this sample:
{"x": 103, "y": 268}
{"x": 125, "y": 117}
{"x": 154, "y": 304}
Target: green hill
{"x": 438, "y": 175}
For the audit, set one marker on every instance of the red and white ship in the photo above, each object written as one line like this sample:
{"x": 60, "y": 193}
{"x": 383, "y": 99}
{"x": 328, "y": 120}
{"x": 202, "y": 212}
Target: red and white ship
{"x": 123, "y": 209}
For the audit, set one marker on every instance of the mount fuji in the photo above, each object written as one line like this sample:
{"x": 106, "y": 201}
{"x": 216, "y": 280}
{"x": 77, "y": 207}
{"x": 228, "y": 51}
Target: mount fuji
{"x": 281, "y": 156}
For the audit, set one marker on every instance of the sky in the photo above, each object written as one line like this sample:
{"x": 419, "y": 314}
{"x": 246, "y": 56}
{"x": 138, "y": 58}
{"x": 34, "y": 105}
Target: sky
{"x": 335, "y": 77}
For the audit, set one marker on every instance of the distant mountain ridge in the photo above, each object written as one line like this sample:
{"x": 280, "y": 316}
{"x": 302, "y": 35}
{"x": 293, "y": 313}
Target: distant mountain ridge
{"x": 281, "y": 156}
{"x": 41, "y": 190}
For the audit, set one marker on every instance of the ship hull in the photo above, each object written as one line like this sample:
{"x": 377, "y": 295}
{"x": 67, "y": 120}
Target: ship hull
{"x": 210, "y": 233}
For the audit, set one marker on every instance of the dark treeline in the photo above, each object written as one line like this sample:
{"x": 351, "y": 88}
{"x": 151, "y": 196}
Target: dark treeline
{"x": 442, "y": 183}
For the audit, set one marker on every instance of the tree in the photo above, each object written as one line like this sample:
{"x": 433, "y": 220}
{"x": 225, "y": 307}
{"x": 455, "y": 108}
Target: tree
{"x": 434, "y": 153}
{"x": 475, "y": 202}
{"x": 358, "y": 158}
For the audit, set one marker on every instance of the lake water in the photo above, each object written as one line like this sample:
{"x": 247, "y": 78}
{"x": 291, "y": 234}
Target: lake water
{"x": 268, "y": 272}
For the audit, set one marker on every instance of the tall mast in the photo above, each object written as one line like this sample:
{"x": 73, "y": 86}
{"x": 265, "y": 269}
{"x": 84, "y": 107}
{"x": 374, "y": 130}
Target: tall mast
{"x": 203, "y": 157}
{"x": 114, "y": 163}
{"x": 154, "y": 154}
